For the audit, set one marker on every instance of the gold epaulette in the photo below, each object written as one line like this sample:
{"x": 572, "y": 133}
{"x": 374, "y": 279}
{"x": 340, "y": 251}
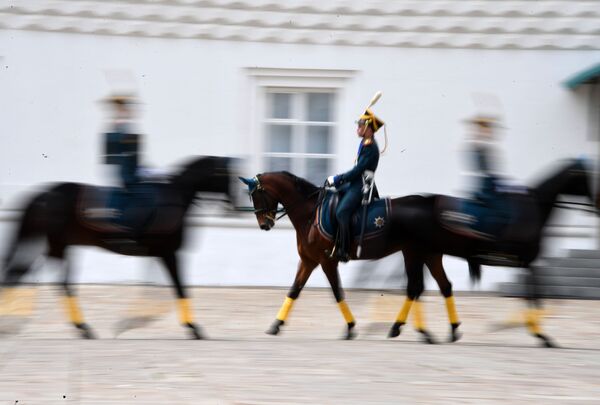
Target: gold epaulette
{"x": 368, "y": 142}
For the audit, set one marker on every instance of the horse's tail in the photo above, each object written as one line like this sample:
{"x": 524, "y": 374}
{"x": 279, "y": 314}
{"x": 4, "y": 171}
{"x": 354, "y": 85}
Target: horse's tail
{"x": 474, "y": 271}
{"x": 28, "y": 241}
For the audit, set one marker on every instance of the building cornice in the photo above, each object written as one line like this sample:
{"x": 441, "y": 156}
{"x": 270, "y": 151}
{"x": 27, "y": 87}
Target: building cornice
{"x": 487, "y": 24}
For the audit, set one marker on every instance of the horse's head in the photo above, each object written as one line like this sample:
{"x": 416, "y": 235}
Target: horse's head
{"x": 572, "y": 179}
{"x": 208, "y": 174}
{"x": 265, "y": 205}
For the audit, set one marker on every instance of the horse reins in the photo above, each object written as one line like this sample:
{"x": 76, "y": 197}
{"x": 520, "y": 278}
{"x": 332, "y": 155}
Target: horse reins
{"x": 585, "y": 207}
{"x": 284, "y": 211}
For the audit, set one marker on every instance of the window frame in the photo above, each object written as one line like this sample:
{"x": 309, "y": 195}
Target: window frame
{"x": 265, "y": 80}
{"x": 299, "y": 154}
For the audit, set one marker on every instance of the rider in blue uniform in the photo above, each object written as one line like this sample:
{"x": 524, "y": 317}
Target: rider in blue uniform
{"x": 122, "y": 145}
{"x": 122, "y": 148}
{"x": 493, "y": 211}
{"x": 350, "y": 183}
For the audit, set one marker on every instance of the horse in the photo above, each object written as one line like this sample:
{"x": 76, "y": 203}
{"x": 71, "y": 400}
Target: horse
{"x": 414, "y": 228}
{"x": 66, "y": 214}
{"x": 301, "y": 201}
{"x": 427, "y": 233}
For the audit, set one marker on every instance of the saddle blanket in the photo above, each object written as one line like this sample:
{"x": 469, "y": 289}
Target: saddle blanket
{"x": 378, "y": 213}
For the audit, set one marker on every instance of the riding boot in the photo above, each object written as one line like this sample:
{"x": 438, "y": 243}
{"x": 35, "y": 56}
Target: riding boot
{"x": 341, "y": 248}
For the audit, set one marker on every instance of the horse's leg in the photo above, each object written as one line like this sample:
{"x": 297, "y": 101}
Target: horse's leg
{"x": 414, "y": 272}
{"x": 185, "y": 311}
{"x": 534, "y": 313}
{"x": 436, "y": 268}
{"x": 331, "y": 271}
{"x": 15, "y": 301}
{"x": 305, "y": 268}
{"x": 71, "y": 303}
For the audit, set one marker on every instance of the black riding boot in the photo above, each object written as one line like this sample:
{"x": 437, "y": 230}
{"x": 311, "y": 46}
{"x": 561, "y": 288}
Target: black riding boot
{"x": 341, "y": 249}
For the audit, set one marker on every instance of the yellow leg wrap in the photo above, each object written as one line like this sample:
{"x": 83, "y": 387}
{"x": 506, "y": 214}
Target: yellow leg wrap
{"x": 403, "y": 314}
{"x": 532, "y": 319}
{"x": 418, "y": 316}
{"x": 451, "y": 308}
{"x": 285, "y": 309}
{"x": 185, "y": 310}
{"x": 17, "y": 301}
{"x": 346, "y": 311}
{"x": 75, "y": 314}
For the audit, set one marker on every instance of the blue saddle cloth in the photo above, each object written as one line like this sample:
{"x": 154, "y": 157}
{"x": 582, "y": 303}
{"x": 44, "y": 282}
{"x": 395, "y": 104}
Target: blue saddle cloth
{"x": 489, "y": 219}
{"x": 147, "y": 207}
{"x": 512, "y": 216}
{"x": 378, "y": 212}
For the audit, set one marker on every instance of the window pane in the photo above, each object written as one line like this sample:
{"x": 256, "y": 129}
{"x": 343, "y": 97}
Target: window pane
{"x": 277, "y": 164}
{"x": 281, "y": 105}
{"x": 280, "y": 138}
{"x": 319, "y": 140}
{"x": 317, "y": 170}
{"x": 319, "y": 107}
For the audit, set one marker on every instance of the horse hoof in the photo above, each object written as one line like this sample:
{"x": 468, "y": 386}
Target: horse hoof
{"x": 395, "y": 330}
{"x": 455, "y": 334}
{"x": 350, "y": 333}
{"x": 274, "y": 329}
{"x": 546, "y": 341}
{"x": 85, "y": 331}
{"x": 427, "y": 337}
{"x": 195, "y": 331}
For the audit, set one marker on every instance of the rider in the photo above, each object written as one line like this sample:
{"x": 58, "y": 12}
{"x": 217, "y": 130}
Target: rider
{"x": 121, "y": 143}
{"x": 122, "y": 148}
{"x": 485, "y": 160}
{"x": 350, "y": 184}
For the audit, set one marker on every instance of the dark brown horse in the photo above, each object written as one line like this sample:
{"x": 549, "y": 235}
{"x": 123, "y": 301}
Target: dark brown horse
{"x": 300, "y": 199}
{"x": 61, "y": 217}
{"x": 416, "y": 229}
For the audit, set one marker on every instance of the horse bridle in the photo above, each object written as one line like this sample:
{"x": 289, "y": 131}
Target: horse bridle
{"x": 273, "y": 217}
{"x": 270, "y": 214}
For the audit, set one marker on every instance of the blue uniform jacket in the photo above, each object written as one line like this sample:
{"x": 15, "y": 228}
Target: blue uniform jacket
{"x": 122, "y": 149}
{"x": 351, "y": 182}
{"x": 482, "y": 162}
{"x": 367, "y": 159}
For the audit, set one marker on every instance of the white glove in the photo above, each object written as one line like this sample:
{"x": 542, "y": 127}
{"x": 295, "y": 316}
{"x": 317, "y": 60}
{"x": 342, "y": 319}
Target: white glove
{"x": 330, "y": 182}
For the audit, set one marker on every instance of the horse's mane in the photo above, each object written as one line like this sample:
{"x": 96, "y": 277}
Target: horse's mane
{"x": 302, "y": 185}
{"x": 201, "y": 162}
{"x": 205, "y": 164}
{"x": 551, "y": 183}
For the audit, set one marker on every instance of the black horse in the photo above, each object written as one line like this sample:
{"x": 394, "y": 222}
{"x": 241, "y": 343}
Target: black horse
{"x": 70, "y": 214}
{"x": 416, "y": 228}
{"x": 427, "y": 232}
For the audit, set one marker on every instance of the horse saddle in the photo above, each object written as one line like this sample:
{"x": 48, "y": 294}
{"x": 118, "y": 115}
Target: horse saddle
{"x": 147, "y": 208}
{"x": 378, "y": 212}
{"x": 512, "y": 217}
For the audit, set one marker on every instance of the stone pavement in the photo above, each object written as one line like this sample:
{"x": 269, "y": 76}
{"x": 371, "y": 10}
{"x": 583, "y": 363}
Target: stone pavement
{"x": 45, "y": 362}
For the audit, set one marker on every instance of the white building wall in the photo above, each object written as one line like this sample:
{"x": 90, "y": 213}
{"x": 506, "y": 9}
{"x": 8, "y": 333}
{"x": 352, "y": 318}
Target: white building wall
{"x": 198, "y": 98}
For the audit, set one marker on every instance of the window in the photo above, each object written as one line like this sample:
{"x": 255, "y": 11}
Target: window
{"x": 293, "y": 116}
{"x": 298, "y": 130}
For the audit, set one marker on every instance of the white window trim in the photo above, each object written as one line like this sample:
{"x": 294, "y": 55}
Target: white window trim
{"x": 263, "y": 79}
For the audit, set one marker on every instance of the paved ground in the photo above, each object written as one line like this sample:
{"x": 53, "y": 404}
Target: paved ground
{"x": 45, "y": 363}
